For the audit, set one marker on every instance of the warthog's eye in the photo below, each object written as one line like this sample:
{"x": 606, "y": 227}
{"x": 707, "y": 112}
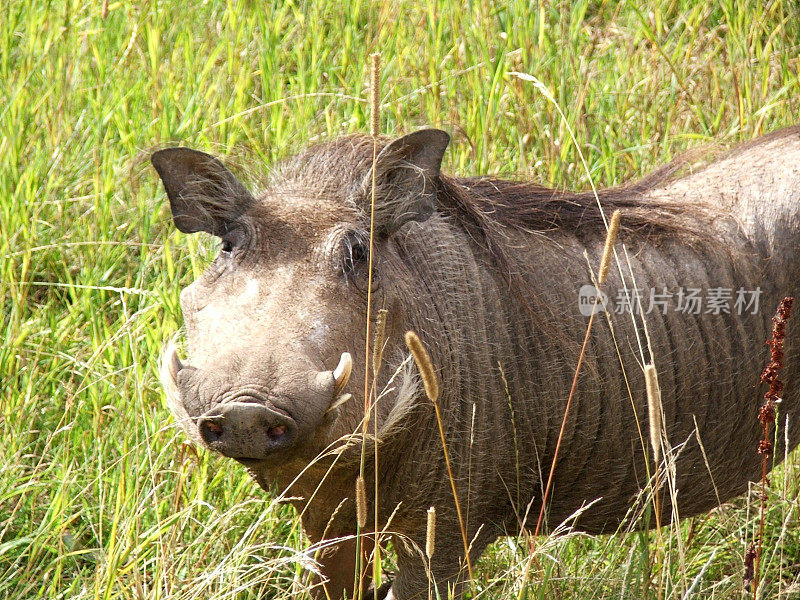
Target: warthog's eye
{"x": 355, "y": 253}
{"x": 358, "y": 254}
{"x": 233, "y": 241}
{"x": 231, "y": 248}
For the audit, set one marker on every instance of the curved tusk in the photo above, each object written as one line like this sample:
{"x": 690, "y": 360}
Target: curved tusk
{"x": 174, "y": 363}
{"x": 342, "y": 372}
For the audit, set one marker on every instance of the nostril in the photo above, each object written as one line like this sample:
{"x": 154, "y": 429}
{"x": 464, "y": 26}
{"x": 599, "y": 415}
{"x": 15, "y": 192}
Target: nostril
{"x": 210, "y": 431}
{"x": 276, "y": 433}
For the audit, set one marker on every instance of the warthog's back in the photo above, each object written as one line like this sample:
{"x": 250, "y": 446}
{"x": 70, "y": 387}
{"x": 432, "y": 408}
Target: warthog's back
{"x": 709, "y": 283}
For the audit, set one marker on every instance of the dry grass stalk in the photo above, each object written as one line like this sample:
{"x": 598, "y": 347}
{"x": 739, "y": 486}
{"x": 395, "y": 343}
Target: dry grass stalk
{"x": 378, "y": 343}
{"x": 430, "y": 533}
{"x": 374, "y": 126}
{"x": 766, "y": 416}
{"x": 654, "y": 410}
{"x": 431, "y": 385}
{"x": 375, "y": 131}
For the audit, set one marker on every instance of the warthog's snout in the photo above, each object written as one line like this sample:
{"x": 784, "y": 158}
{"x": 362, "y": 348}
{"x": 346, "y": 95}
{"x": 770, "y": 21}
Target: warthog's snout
{"x": 246, "y": 430}
{"x": 251, "y": 422}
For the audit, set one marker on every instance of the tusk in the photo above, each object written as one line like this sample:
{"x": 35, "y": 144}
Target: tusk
{"x": 341, "y": 374}
{"x": 174, "y": 363}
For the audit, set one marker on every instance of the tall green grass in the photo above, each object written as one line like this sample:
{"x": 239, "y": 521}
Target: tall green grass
{"x": 100, "y": 497}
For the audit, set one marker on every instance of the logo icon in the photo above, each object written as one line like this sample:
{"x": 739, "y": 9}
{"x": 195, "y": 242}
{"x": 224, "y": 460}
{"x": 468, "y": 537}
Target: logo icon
{"x": 591, "y": 300}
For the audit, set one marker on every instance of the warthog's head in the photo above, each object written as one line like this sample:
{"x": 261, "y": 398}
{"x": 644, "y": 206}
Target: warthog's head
{"x": 272, "y": 322}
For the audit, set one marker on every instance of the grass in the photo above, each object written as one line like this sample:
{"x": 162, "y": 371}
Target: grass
{"x": 100, "y": 497}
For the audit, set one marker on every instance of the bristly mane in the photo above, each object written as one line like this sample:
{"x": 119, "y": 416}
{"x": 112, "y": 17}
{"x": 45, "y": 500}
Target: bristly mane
{"x": 487, "y": 206}
{"x": 488, "y": 203}
{"x": 535, "y": 207}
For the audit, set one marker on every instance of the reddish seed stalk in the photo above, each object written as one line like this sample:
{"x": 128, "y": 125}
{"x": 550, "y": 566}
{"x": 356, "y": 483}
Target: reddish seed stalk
{"x": 766, "y": 415}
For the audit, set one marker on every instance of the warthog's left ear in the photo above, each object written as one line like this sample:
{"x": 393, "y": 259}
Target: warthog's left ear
{"x": 203, "y": 194}
{"x": 407, "y": 178}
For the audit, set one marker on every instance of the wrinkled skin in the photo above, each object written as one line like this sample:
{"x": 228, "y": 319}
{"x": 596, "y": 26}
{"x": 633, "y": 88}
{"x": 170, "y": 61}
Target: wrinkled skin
{"x": 267, "y": 323}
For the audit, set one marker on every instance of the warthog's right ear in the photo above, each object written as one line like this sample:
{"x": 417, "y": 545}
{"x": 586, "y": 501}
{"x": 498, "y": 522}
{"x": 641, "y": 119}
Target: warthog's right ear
{"x": 407, "y": 178}
{"x": 203, "y": 194}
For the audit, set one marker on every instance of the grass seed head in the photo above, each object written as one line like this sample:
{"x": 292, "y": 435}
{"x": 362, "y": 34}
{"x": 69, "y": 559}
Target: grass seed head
{"x": 430, "y": 533}
{"x": 654, "y": 409}
{"x": 424, "y": 364}
{"x": 361, "y": 502}
{"x": 375, "y": 95}
{"x": 608, "y": 249}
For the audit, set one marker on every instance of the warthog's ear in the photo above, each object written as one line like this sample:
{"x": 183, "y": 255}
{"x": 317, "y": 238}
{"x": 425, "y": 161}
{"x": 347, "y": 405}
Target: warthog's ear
{"x": 203, "y": 194}
{"x": 407, "y": 178}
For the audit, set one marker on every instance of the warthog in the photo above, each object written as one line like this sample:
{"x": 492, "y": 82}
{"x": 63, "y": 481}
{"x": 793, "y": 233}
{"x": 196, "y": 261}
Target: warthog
{"x": 487, "y": 272}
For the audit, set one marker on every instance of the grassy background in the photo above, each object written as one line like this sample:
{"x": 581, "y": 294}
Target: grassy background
{"x": 99, "y": 496}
